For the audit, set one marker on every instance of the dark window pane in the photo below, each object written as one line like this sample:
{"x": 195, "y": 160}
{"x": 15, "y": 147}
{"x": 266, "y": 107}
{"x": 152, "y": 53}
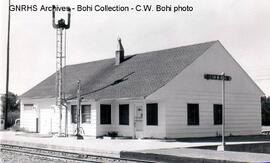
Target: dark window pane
{"x": 86, "y": 113}
{"x": 124, "y": 114}
{"x": 152, "y": 114}
{"x": 73, "y": 113}
{"x": 193, "y": 114}
{"x": 105, "y": 114}
{"x": 217, "y": 114}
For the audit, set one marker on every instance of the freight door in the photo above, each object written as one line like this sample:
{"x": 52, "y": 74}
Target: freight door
{"x": 30, "y": 117}
{"x": 46, "y": 120}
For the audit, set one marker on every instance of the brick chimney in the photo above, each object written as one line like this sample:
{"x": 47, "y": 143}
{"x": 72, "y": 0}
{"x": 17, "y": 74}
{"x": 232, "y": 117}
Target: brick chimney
{"x": 119, "y": 53}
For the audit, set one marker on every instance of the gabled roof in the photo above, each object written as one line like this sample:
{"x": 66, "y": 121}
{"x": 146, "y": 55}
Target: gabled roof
{"x": 138, "y": 76}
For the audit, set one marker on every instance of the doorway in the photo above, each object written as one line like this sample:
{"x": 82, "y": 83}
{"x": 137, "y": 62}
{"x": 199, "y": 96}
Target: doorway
{"x": 138, "y": 120}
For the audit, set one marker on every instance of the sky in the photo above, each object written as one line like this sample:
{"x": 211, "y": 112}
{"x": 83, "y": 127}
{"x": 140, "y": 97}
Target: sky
{"x": 242, "y": 26}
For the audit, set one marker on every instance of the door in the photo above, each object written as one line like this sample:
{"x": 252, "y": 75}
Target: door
{"x": 29, "y": 117}
{"x": 138, "y": 120}
{"x": 46, "y": 120}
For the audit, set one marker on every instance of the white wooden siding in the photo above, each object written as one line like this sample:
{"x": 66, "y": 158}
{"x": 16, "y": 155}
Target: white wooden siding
{"x": 49, "y": 117}
{"x": 243, "y": 113}
{"x": 28, "y": 118}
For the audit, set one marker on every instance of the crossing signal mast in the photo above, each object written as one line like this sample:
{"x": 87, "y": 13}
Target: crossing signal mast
{"x": 61, "y": 28}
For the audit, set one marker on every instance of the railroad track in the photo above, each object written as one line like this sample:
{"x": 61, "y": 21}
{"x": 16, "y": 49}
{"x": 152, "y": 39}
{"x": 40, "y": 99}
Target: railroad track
{"x": 67, "y": 155}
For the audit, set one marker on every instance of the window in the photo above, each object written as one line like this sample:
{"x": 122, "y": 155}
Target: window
{"x": 86, "y": 113}
{"x": 152, "y": 114}
{"x": 193, "y": 114}
{"x": 73, "y": 113}
{"x": 217, "y": 114}
{"x": 124, "y": 114}
{"x": 28, "y": 106}
{"x": 105, "y": 114}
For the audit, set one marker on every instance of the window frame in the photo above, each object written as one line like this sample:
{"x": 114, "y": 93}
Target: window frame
{"x": 74, "y": 121}
{"x": 82, "y": 114}
{"x": 110, "y": 117}
{"x": 28, "y": 107}
{"x": 121, "y": 122}
{"x": 217, "y": 121}
{"x": 71, "y": 113}
{"x": 150, "y": 121}
{"x": 196, "y": 118}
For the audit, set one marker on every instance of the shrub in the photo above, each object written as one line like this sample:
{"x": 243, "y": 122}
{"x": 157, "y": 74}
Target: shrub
{"x": 112, "y": 134}
{"x": 12, "y": 116}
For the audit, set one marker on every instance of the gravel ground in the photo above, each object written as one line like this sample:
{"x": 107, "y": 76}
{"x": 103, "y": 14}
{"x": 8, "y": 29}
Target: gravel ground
{"x": 14, "y": 157}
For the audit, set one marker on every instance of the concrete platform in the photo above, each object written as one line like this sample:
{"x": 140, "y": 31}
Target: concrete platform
{"x": 90, "y": 145}
{"x": 189, "y": 155}
{"x": 167, "y": 150}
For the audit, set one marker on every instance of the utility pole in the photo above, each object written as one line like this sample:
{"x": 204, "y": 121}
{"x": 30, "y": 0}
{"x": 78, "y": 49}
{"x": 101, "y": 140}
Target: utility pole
{"x": 78, "y": 110}
{"x": 7, "y": 73}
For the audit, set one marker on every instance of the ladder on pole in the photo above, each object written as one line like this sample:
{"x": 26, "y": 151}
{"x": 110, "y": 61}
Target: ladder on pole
{"x": 60, "y": 27}
{"x": 60, "y": 64}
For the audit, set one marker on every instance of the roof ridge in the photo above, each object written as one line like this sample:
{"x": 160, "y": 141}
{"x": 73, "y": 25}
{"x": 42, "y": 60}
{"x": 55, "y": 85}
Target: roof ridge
{"x": 75, "y": 64}
{"x": 144, "y": 53}
{"x": 184, "y": 46}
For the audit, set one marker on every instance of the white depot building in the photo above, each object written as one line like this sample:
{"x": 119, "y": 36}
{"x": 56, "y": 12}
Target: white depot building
{"x": 159, "y": 94}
